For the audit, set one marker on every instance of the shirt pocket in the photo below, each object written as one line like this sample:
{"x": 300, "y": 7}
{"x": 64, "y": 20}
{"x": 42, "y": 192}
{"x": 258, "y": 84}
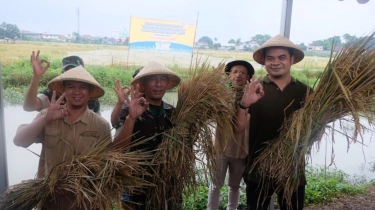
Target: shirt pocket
{"x": 87, "y": 140}
{"x": 52, "y": 137}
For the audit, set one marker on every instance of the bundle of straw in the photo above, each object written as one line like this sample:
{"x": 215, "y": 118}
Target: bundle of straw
{"x": 203, "y": 99}
{"x": 96, "y": 178}
{"x": 346, "y": 91}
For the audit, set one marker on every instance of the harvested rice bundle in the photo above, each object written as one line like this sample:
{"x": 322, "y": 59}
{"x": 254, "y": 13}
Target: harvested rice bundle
{"x": 96, "y": 178}
{"x": 346, "y": 89}
{"x": 205, "y": 98}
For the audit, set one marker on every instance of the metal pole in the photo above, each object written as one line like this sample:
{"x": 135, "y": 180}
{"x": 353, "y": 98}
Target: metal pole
{"x": 192, "y": 51}
{"x": 286, "y": 18}
{"x": 3, "y": 155}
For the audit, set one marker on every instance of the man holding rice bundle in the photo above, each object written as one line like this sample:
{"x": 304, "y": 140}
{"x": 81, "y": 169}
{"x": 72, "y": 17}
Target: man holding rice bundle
{"x": 146, "y": 114}
{"x": 270, "y": 101}
{"x": 233, "y": 152}
{"x": 66, "y": 130}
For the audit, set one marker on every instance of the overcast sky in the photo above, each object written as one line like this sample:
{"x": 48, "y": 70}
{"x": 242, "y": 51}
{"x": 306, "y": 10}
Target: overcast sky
{"x": 223, "y": 19}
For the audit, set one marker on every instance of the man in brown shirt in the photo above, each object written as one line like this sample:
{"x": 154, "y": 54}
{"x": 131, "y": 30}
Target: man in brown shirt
{"x": 65, "y": 130}
{"x": 270, "y": 101}
{"x": 233, "y": 152}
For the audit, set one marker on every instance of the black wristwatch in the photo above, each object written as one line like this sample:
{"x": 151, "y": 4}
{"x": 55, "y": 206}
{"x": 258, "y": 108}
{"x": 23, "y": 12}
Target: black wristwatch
{"x": 242, "y": 107}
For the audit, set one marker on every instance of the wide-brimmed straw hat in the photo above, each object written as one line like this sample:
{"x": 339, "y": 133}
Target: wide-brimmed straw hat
{"x": 76, "y": 74}
{"x": 278, "y": 41}
{"x": 154, "y": 68}
{"x": 247, "y": 65}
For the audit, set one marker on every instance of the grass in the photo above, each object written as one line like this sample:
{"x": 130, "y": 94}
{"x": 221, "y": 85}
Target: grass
{"x": 322, "y": 187}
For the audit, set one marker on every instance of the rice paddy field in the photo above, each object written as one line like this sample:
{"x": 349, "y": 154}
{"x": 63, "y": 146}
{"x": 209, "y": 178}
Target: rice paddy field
{"x": 120, "y": 55}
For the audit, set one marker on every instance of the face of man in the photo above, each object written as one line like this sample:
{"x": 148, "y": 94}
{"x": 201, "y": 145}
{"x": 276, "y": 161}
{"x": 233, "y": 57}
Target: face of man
{"x": 155, "y": 87}
{"x": 239, "y": 75}
{"x": 77, "y": 94}
{"x": 278, "y": 62}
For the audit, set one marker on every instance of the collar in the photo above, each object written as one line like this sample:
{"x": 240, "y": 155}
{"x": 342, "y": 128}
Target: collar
{"x": 266, "y": 79}
{"x": 84, "y": 118}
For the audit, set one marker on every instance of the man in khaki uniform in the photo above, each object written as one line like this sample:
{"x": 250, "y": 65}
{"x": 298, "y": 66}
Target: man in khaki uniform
{"x": 65, "y": 130}
{"x": 233, "y": 152}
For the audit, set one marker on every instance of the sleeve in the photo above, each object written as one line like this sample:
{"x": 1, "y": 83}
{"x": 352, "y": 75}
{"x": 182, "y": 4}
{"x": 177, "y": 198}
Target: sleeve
{"x": 43, "y": 98}
{"x": 123, "y": 114}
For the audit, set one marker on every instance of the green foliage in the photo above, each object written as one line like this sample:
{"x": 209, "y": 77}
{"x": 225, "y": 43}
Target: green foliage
{"x": 261, "y": 38}
{"x": 325, "y": 185}
{"x": 9, "y": 31}
{"x": 199, "y": 199}
{"x": 207, "y": 40}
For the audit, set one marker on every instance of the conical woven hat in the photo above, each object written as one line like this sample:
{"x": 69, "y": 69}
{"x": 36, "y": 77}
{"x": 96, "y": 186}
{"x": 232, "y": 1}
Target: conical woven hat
{"x": 76, "y": 74}
{"x": 154, "y": 68}
{"x": 278, "y": 41}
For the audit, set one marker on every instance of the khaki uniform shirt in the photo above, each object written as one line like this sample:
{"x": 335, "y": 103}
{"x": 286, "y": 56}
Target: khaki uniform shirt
{"x": 61, "y": 140}
{"x": 239, "y": 145}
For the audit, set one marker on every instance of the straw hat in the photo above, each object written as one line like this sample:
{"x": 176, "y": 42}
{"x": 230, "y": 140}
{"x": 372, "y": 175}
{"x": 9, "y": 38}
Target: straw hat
{"x": 76, "y": 74}
{"x": 278, "y": 41}
{"x": 154, "y": 68}
{"x": 247, "y": 65}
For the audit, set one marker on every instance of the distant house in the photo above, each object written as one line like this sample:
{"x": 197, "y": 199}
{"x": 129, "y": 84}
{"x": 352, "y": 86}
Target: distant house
{"x": 33, "y": 35}
{"x": 202, "y": 45}
{"x": 110, "y": 41}
{"x": 240, "y": 47}
{"x": 228, "y": 46}
{"x": 50, "y": 36}
{"x": 252, "y": 44}
{"x": 315, "y": 48}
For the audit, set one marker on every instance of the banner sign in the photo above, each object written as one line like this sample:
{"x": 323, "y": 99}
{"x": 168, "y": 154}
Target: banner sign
{"x": 161, "y": 35}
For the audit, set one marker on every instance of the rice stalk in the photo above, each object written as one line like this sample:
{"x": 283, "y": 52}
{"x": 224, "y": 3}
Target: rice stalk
{"x": 97, "y": 177}
{"x": 345, "y": 92}
{"x": 203, "y": 99}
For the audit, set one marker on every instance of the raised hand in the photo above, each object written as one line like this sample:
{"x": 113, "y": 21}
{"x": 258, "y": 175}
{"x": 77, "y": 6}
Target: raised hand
{"x": 55, "y": 109}
{"x": 122, "y": 92}
{"x": 253, "y": 92}
{"x": 38, "y": 65}
{"x": 137, "y": 103}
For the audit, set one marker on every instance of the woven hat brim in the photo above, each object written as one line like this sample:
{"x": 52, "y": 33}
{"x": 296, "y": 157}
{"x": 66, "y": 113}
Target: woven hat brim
{"x": 78, "y": 74}
{"x": 154, "y": 68}
{"x": 247, "y": 65}
{"x": 278, "y": 41}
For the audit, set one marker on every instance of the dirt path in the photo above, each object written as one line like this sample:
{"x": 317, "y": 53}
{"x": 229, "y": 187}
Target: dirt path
{"x": 359, "y": 202}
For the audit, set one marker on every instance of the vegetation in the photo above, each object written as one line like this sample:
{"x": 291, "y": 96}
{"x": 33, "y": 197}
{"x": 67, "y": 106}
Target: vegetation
{"x": 323, "y": 186}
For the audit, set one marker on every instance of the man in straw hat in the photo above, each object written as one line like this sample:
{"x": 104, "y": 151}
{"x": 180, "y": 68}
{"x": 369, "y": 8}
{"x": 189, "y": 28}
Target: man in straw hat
{"x": 270, "y": 101}
{"x": 146, "y": 114}
{"x": 36, "y": 102}
{"x": 65, "y": 130}
{"x": 233, "y": 152}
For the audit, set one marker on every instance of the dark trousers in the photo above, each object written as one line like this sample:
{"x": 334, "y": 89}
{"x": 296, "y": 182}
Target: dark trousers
{"x": 258, "y": 199}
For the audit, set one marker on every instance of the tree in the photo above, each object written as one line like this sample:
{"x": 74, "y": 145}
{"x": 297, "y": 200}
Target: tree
{"x": 347, "y": 38}
{"x": 216, "y": 46}
{"x": 232, "y": 41}
{"x": 261, "y": 39}
{"x": 207, "y": 40}
{"x": 302, "y": 46}
{"x": 77, "y": 37}
{"x": 238, "y": 41}
{"x": 9, "y": 31}
{"x": 336, "y": 40}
